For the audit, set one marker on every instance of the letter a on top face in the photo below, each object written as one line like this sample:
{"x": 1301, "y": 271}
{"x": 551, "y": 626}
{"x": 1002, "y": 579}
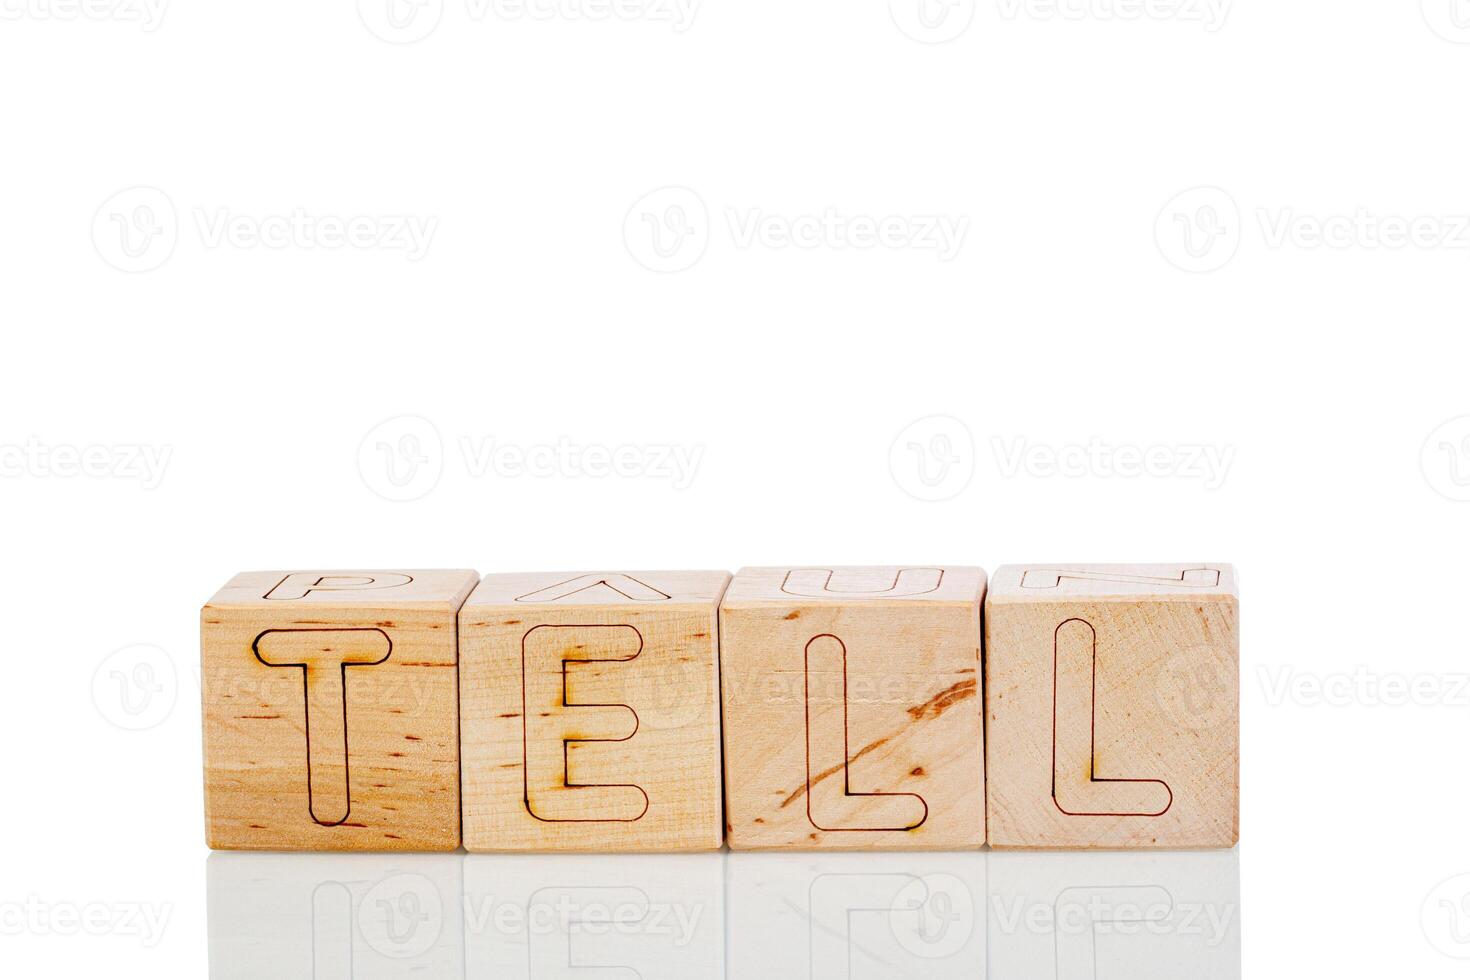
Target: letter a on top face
{"x": 590, "y": 713}
{"x": 330, "y": 710}
{"x": 852, "y": 708}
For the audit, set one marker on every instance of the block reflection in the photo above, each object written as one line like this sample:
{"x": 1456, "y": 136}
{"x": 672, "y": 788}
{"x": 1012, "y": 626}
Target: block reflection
{"x": 1061, "y": 916}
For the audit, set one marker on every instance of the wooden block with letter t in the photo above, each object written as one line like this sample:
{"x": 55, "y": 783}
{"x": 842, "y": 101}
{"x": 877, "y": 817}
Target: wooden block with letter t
{"x": 590, "y": 712}
{"x": 331, "y": 710}
{"x": 1113, "y": 706}
{"x": 852, "y": 710}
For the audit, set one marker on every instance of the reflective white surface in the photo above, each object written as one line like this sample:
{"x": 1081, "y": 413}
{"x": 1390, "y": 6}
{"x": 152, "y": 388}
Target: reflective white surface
{"x": 998, "y": 914}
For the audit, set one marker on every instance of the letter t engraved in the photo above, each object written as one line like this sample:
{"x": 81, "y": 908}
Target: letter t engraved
{"x": 323, "y": 656}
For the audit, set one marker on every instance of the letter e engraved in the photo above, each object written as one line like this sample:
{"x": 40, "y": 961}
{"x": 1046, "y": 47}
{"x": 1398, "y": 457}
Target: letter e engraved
{"x": 1076, "y": 788}
{"x": 831, "y": 802}
{"x": 555, "y": 725}
{"x": 323, "y": 656}
{"x": 816, "y": 583}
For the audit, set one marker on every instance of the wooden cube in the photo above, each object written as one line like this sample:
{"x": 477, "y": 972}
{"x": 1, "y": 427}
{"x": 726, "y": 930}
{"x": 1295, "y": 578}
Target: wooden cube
{"x": 852, "y": 709}
{"x": 589, "y": 712}
{"x": 1113, "y": 700}
{"x": 331, "y": 710}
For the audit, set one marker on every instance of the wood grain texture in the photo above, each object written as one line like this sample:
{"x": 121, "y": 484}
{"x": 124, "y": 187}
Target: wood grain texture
{"x": 590, "y": 716}
{"x": 852, "y": 709}
{"x": 1113, "y": 702}
{"x": 330, "y": 710}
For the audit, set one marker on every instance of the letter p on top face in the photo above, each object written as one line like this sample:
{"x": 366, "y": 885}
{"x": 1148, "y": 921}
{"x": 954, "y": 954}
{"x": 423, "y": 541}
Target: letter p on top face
{"x": 331, "y": 710}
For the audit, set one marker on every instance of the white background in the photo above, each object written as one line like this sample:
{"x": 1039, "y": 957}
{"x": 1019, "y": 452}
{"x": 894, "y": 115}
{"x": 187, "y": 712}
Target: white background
{"x": 1187, "y": 231}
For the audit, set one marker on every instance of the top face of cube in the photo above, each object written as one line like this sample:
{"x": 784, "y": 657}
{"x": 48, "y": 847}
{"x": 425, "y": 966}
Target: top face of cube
{"x": 1183, "y": 581}
{"x": 788, "y": 585}
{"x": 359, "y": 589}
{"x": 539, "y": 590}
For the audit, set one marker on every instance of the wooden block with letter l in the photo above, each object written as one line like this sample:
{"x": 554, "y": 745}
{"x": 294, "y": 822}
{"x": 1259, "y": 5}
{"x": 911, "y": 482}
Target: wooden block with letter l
{"x": 1113, "y": 706}
{"x": 590, "y": 712}
{"x": 852, "y": 708}
{"x": 331, "y": 710}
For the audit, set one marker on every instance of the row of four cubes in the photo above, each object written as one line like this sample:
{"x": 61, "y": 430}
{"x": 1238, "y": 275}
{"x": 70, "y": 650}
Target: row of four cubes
{"x": 788, "y": 707}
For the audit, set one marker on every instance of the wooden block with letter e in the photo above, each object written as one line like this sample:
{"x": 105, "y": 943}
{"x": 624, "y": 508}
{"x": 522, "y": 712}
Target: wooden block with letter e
{"x": 852, "y": 709}
{"x": 331, "y": 710}
{"x": 1113, "y": 706}
{"x": 589, "y": 712}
